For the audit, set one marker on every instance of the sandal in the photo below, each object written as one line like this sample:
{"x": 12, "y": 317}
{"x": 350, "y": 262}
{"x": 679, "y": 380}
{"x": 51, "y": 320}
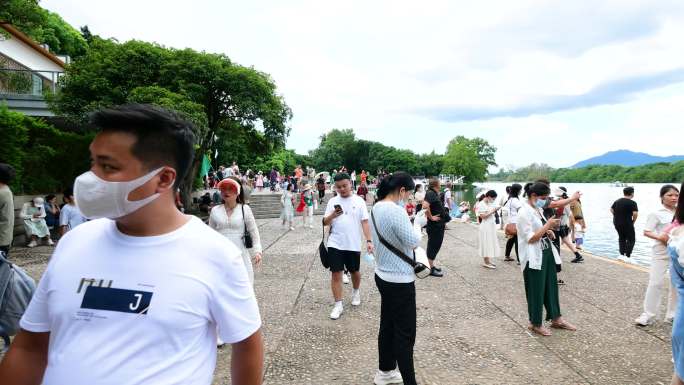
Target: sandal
{"x": 563, "y": 325}
{"x": 541, "y": 330}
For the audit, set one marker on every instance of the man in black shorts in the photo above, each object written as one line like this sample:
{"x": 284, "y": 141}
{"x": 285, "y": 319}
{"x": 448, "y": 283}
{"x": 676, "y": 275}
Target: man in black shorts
{"x": 347, "y": 215}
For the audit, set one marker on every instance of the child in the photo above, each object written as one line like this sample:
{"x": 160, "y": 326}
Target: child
{"x": 579, "y": 236}
{"x": 411, "y": 209}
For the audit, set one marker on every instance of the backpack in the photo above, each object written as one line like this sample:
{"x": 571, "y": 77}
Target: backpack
{"x": 16, "y": 290}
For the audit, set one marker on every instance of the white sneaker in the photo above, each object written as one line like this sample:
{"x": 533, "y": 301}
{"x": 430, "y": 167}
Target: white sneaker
{"x": 32, "y": 244}
{"x": 292, "y": 228}
{"x": 336, "y": 312}
{"x": 643, "y": 320}
{"x": 50, "y": 242}
{"x": 386, "y": 378}
{"x": 345, "y": 278}
{"x": 356, "y": 299}
{"x": 622, "y": 258}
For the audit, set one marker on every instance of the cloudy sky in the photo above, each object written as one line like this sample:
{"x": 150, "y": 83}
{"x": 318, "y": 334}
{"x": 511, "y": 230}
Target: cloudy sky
{"x": 544, "y": 81}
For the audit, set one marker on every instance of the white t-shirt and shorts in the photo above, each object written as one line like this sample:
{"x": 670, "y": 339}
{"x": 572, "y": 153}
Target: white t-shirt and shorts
{"x": 125, "y": 310}
{"x": 344, "y": 241}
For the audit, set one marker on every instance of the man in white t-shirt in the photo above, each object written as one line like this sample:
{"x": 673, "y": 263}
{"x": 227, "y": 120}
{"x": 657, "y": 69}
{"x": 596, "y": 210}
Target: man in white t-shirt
{"x": 137, "y": 296}
{"x": 347, "y": 215}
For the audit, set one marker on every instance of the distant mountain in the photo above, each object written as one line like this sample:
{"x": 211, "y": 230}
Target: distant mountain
{"x": 627, "y": 158}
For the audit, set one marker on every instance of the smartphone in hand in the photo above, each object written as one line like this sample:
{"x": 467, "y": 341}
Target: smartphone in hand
{"x": 338, "y": 209}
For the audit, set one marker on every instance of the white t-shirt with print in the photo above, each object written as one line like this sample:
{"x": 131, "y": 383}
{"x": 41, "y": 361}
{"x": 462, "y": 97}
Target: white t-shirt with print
{"x": 346, "y": 229}
{"x": 126, "y": 310}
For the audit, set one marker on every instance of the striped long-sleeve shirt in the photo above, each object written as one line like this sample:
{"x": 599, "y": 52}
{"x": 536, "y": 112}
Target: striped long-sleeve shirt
{"x": 394, "y": 225}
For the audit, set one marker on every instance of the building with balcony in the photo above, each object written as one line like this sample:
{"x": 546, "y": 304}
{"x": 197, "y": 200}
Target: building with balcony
{"x": 28, "y": 72}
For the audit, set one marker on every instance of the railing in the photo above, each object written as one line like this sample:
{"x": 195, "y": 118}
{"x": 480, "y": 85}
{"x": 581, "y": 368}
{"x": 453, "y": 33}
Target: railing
{"x": 27, "y": 82}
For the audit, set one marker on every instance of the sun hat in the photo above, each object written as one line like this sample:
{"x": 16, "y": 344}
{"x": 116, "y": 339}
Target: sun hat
{"x": 229, "y": 183}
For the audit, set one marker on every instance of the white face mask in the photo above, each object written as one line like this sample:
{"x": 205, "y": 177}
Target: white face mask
{"x": 98, "y": 198}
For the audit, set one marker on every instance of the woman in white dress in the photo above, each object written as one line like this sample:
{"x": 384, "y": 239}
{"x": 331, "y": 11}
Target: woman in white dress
{"x": 287, "y": 204}
{"x": 33, "y": 214}
{"x": 489, "y": 242}
{"x": 232, "y": 218}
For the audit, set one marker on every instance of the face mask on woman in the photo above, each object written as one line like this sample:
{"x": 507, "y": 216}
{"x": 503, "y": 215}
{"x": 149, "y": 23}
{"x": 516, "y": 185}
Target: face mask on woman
{"x": 540, "y": 203}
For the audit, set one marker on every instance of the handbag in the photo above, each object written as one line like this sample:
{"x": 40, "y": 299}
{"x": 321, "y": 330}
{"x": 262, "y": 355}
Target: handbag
{"x": 420, "y": 268}
{"x": 246, "y": 237}
{"x": 323, "y": 250}
{"x": 510, "y": 229}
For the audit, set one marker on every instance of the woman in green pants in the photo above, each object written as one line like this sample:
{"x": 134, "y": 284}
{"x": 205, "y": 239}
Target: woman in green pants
{"x": 538, "y": 260}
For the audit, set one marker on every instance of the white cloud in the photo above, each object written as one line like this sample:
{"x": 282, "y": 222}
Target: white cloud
{"x": 369, "y": 65}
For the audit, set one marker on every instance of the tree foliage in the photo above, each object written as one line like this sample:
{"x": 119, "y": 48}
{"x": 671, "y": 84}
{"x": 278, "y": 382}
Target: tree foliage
{"x": 341, "y": 148}
{"x": 43, "y": 26}
{"x": 236, "y": 109}
{"x": 469, "y": 158}
{"x": 46, "y": 159}
{"x": 649, "y": 173}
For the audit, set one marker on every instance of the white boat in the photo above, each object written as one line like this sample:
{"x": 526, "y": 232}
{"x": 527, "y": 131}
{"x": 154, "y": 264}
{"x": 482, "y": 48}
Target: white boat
{"x": 617, "y": 183}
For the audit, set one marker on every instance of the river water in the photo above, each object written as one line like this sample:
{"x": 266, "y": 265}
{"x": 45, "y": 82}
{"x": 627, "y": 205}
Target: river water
{"x": 601, "y": 237}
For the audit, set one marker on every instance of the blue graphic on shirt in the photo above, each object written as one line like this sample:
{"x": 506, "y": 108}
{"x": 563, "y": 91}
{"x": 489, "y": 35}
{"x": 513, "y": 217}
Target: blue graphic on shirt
{"x": 119, "y": 300}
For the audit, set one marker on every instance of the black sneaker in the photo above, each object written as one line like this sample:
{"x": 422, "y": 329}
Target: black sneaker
{"x": 578, "y": 259}
{"x": 435, "y": 273}
{"x": 437, "y": 269}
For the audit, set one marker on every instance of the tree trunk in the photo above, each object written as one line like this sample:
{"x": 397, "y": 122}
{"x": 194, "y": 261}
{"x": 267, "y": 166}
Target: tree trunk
{"x": 187, "y": 185}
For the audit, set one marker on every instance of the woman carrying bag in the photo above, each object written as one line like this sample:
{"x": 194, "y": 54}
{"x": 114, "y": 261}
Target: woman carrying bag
{"x": 513, "y": 205}
{"x": 395, "y": 278}
{"x": 538, "y": 259}
{"x": 235, "y": 221}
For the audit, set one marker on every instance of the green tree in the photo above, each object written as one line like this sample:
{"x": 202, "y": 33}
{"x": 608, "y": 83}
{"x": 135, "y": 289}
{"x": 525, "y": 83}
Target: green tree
{"x": 469, "y": 158}
{"x": 431, "y": 164}
{"x": 337, "y": 148}
{"x": 43, "y": 26}
{"x": 238, "y": 103}
{"x": 46, "y": 159}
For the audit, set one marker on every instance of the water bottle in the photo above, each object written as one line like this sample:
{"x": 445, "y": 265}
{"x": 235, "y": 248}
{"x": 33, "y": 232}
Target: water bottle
{"x": 369, "y": 259}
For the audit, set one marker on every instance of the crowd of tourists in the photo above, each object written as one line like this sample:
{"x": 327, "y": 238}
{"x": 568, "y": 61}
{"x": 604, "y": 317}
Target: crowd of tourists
{"x": 124, "y": 214}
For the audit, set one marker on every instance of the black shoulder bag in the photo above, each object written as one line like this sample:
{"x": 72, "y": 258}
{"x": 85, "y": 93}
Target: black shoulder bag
{"x": 420, "y": 270}
{"x": 246, "y": 237}
{"x": 323, "y": 250}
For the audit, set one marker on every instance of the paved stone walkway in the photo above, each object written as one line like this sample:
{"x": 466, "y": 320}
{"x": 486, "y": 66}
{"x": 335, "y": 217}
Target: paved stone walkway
{"x": 471, "y": 323}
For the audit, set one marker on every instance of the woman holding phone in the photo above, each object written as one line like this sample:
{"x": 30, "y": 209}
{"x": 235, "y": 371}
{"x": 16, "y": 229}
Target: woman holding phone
{"x": 395, "y": 278}
{"x": 538, "y": 261}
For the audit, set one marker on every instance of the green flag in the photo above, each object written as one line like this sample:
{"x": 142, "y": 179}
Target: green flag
{"x": 206, "y": 165}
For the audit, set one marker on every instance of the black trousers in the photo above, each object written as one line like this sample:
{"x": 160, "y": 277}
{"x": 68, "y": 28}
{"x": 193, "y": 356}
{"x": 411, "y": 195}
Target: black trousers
{"x": 626, "y": 238}
{"x": 513, "y": 241}
{"x": 397, "y": 333}
{"x": 435, "y": 234}
{"x": 321, "y": 194}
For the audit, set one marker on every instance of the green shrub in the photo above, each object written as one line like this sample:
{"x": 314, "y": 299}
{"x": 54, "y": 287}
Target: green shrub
{"x": 46, "y": 159}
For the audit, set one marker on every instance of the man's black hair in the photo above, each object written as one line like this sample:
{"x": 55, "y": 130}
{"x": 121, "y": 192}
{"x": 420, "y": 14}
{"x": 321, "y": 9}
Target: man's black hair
{"x": 6, "y": 173}
{"x": 628, "y": 191}
{"x": 342, "y": 176}
{"x": 163, "y": 137}
{"x": 68, "y": 192}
